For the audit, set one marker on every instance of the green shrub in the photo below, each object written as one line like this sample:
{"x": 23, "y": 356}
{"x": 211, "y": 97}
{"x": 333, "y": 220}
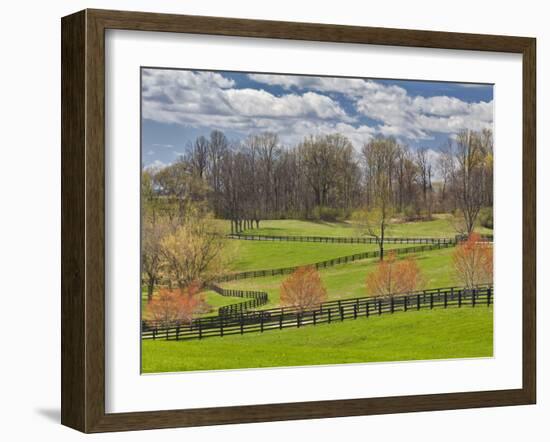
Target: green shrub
{"x": 411, "y": 213}
{"x": 486, "y": 217}
{"x": 322, "y": 213}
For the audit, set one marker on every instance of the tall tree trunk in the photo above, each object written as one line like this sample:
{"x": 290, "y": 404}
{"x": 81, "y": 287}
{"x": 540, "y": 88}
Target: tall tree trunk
{"x": 150, "y": 289}
{"x": 381, "y": 243}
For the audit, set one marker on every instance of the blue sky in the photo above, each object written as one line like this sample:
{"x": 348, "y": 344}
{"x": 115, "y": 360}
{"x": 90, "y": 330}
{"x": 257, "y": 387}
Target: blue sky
{"x": 179, "y": 105}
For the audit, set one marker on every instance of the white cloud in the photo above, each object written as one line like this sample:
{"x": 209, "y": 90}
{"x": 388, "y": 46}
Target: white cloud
{"x": 205, "y": 98}
{"x": 398, "y": 113}
{"x": 259, "y": 103}
{"x": 293, "y": 132}
{"x": 169, "y": 82}
{"x": 208, "y": 99}
{"x": 157, "y": 164}
{"x": 348, "y": 86}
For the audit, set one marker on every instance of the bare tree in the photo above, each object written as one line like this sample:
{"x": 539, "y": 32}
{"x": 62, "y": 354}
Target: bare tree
{"x": 199, "y": 156}
{"x": 379, "y": 155}
{"x": 330, "y": 169}
{"x": 469, "y": 176}
{"x": 152, "y": 234}
{"x": 217, "y": 149}
{"x": 425, "y": 178}
{"x": 446, "y": 167}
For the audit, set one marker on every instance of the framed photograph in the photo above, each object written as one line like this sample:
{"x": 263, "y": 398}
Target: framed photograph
{"x": 267, "y": 221}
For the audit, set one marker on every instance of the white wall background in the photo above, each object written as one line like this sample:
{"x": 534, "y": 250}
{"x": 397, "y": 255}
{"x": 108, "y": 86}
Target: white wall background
{"x": 30, "y": 217}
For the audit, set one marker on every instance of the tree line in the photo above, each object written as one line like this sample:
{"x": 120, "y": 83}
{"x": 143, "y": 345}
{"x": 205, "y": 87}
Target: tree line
{"x": 327, "y": 177}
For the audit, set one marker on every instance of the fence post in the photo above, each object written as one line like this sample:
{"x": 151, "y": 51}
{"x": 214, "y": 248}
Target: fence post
{"x": 459, "y": 298}
{"x": 329, "y": 315}
{"x": 418, "y": 302}
{"x": 405, "y": 301}
{"x": 314, "y": 317}
{"x": 178, "y": 333}
{"x": 445, "y": 299}
{"x": 392, "y": 305}
{"x": 298, "y": 319}
{"x": 341, "y": 313}
{"x": 200, "y": 330}
{"x": 242, "y": 324}
{"x": 367, "y": 305}
{"x": 154, "y": 333}
{"x": 281, "y": 320}
{"x": 379, "y": 307}
{"x": 431, "y": 300}
{"x": 489, "y": 296}
{"x": 473, "y": 297}
{"x": 355, "y": 311}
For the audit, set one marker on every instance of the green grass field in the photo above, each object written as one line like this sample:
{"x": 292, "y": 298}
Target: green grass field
{"x": 440, "y": 227}
{"x": 348, "y": 281}
{"x": 341, "y": 281}
{"x": 256, "y": 255}
{"x": 437, "y": 334}
{"x": 428, "y": 334}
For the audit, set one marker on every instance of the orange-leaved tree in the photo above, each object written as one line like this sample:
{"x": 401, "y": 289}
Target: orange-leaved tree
{"x": 176, "y": 306}
{"x": 303, "y": 289}
{"x": 409, "y": 277}
{"x": 473, "y": 261}
{"x": 393, "y": 277}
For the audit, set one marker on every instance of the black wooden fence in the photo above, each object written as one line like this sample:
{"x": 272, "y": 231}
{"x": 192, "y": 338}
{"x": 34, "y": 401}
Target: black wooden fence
{"x": 483, "y": 237}
{"x": 255, "y": 299}
{"x": 328, "y": 312}
{"x": 332, "y": 262}
{"x": 341, "y": 240}
{"x": 354, "y": 240}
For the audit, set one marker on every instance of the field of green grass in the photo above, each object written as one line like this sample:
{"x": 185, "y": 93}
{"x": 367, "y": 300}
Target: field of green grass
{"x": 440, "y": 227}
{"x": 255, "y": 255}
{"x": 437, "y": 334}
{"x": 422, "y": 335}
{"x": 348, "y": 281}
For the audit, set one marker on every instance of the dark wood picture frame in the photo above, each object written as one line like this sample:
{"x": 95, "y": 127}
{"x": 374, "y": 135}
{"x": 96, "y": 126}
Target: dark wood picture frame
{"x": 83, "y": 220}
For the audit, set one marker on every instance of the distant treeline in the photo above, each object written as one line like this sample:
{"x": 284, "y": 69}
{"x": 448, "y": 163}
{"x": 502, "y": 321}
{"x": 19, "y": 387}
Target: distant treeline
{"x": 326, "y": 177}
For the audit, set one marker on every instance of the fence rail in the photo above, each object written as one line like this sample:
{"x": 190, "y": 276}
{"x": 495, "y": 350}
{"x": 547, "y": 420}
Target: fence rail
{"x": 483, "y": 237}
{"x": 341, "y": 240}
{"x": 328, "y": 312}
{"x": 255, "y": 299}
{"x": 332, "y": 262}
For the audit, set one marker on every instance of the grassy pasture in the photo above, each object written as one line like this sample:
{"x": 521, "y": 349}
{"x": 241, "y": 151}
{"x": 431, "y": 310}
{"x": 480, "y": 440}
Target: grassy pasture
{"x": 422, "y": 335}
{"x": 258, "y": 255}
{"x": 348, "y": 281}
{"x": 440, "y": 227}
{"x": 342, "y": 281}
{"x": 436, "y": 334}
